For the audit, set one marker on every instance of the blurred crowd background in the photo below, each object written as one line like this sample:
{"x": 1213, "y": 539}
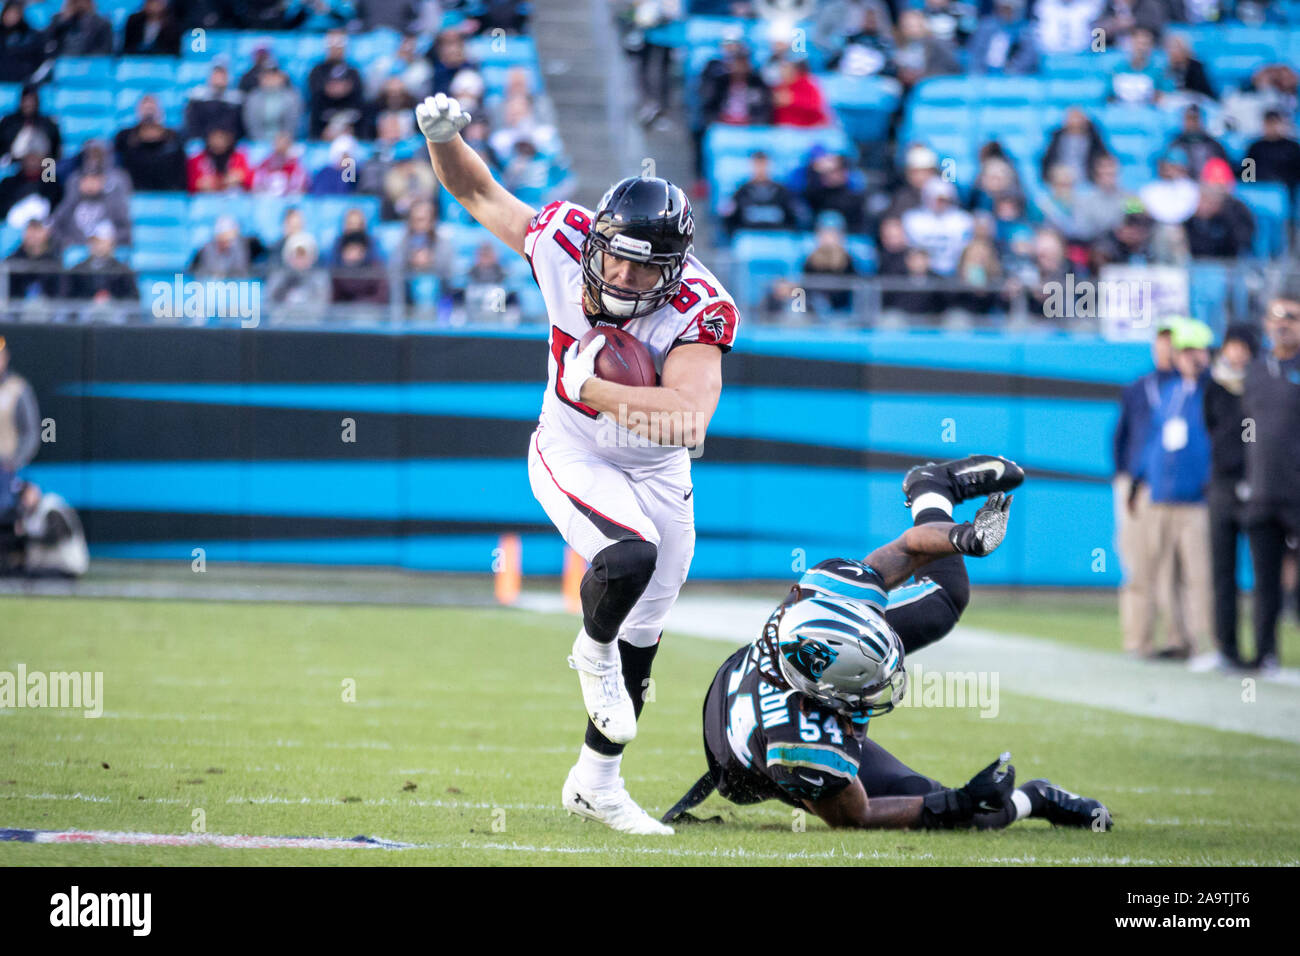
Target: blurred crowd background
{"x": 863, "y": 162}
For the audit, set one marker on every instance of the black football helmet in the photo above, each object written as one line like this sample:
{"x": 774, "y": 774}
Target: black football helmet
{"x": 646, "y": 220}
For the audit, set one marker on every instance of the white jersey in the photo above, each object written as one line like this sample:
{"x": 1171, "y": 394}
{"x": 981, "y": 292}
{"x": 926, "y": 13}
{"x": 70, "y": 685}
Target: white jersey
{"x": 701, "y": 312}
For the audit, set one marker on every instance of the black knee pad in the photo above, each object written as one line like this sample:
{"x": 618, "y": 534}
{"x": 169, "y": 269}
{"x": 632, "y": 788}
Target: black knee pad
{"x": 613, "y": 584}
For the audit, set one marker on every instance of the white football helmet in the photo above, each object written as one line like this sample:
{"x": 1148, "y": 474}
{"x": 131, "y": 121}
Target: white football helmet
{"x": 840, "y": 652}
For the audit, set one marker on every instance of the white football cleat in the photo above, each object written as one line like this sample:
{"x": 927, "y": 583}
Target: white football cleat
{"x": 604, "y": 695}
{"x": 613, "y": 807}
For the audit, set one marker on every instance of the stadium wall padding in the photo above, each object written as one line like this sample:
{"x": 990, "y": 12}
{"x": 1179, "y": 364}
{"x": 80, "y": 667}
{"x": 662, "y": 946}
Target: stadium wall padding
{"x": 232, "y": 440}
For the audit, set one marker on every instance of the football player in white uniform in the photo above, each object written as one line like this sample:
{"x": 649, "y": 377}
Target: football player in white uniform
{"x": 609, "y": 462}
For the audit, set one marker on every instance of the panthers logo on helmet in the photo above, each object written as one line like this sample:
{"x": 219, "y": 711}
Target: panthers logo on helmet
{"x": 811, "y": 658}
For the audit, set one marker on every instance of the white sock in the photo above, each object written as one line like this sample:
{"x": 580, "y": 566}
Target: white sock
{"x": 597, "y": 771}
{"x": 931, "y": 499}
{"x": 590, "y": 647}
{"x": 1020, "y": 800}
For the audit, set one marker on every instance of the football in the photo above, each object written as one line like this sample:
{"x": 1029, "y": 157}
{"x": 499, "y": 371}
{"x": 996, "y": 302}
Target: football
{"x": 623, "y": 359}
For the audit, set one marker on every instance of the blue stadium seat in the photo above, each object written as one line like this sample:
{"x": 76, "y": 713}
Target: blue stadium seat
{"x": 74, "y": 254}
{"x": 423, "y": 290}
{"x": 84, "y": 71}
{"x": 152, "y": 72}
{"x": 160, "y": 259}
{"x": 76, "y": 130}
{"x": 1207, "y": 291}
{"x": 389, "y": 236}
{"x": 1271, "y": 206}
{"x": 864, "y": 105}
{"x": 191, "y": 73}
{"x": 1233, "y": 66}
{"x": 786, "y": 145}
{"x": 1130, "y": 118}
{"x": 508, "y": 51}
{"x": 156, "y": 236}
{"x": 764, "y": 257}
{"x": 160, "y": 208}
{"x": 62, "y": 101}
{"x": 205, "y": 208}
{"x": 1076, "y": 90}
{"x": 1081, "y": 64}
{"x": 364, "y": 48}
{"x": 316, "y": 154}
{"x": 10, "y": 239}
{"x": 10, "y": 94}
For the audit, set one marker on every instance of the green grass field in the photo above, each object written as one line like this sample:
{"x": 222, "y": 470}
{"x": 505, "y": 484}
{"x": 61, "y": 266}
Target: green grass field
{"x": 466, "y": 720}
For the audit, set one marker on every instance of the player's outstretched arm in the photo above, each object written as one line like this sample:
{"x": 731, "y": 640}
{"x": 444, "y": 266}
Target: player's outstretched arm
{"x": 919, "y": 545}
{"x": 465, "y": 174}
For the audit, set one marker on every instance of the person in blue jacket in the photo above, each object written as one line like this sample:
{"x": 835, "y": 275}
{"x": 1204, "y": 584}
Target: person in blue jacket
{"x": 1174, "y": 469}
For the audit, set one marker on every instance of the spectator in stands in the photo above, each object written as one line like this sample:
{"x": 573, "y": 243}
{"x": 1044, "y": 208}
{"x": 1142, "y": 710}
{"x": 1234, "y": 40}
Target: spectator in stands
{"x": 396, "y": 103}
{"x": 1193, "y": 140}
{"x": 334, "y": 85}
{"x": 1129, "y": 241}
{"x": 282, "y": 172}
{"x": 77, "y": 30}
{"x": 1122, "y": 18}
{"x": 831, "y": 185}
{"x": 1062, "y": 206}
{"x": 939, "y": 226}
{"x": 22, "y": 46}
{"x": 780, "y": 35}
{"x": 891, "y": 260}
{"x": 1271, "y": 401}
{"x": 913, "y": 294}
{"x": 291, "y": 223}
{"x": 1174, "y": 467}
{"x": 1226, "y": 492}
{"x": 1275, "y": 158}
{"x": 449, "y": 55}
{"x": 271, "y": 15}
{"x": 297, "y": 285}
{"x": 213, "y": 105}
{"x": 340, "y": 177}
{"x": 225, "y": 256}
{"x": 520, "y": 122}
{"x": 152, "y": 30}
{"x": 1184, "y": 72}
{"x": 359, "y": 275}
{"x": 739, "y": 96}
{"x": 263, "y": 59}
{"x": 508, "y": 15}
{"x": 920, "y": 166}
{"x": 396, "y": 173}
{"x": 478, "y": 137}
{"x": 33, "y": 178}
{"x": 980, "y": 270}
{"x": 413, "y": 70}
{"x": 518, "y": 82}
{"x": 44, "y": 281}
{"x": 483, "y": 294}
{"x": 1274, "y": 87}
{"x": 760, "y": 202}
{"x": 1103, "y": 202}
{"x": 272, "y": 107}
{"x": 1138, "y": 402}
{"x": 831, "y": 258}
{"x": 328, "y": 15}
{"x": 220, "y": 166}
{"x": 1004, "y": 43}
{"x": 29, "y": 130}
{"x": 421, "y": 250}
{"x": 1222, "y": 226}
{"x": 996, "y": 178}
{"x": 1009, "y": 219}
{"x": 152, "y": 155}
{"x": 86, "y": 207}
{"x": 869, "y": 50}
{"x": 96, "y": 157}
{"x": 101, "y": 277}
{"x": 919, "y": 54}
{"x": 797, "y": 100}
{"x": 1076, "y": 144}
{"x": 1173, "y": 196}
{"x": 1050, "y": 269}
{"x": 527, "y": 173}
{"x": 1139, "y": 79}
{"x": 1065, "y": 26}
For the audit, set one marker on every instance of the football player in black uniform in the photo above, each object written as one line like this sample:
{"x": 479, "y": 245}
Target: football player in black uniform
{"x": 786, "y": 717}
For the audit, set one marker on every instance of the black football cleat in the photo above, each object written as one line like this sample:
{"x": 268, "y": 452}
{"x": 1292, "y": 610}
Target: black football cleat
{"x": 963, "y": 478}
{"x": 1062, "y": 808}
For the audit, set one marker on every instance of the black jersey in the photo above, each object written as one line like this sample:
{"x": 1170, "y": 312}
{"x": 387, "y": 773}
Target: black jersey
{"x": 765, "y": 743}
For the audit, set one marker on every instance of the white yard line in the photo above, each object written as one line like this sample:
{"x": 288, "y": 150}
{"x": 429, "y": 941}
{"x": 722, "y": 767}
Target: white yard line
{"x": 1054, "y": 671}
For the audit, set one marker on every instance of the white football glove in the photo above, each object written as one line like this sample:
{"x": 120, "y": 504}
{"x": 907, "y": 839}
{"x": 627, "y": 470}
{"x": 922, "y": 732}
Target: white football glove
{"x": 440, "y": 118}
{"x": 580, "y": 366}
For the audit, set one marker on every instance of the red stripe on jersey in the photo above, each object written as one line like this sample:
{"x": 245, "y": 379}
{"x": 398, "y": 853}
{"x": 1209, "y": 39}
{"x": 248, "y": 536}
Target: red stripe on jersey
{"x": 578, "y": 502}
{"x": 567, "y": 246}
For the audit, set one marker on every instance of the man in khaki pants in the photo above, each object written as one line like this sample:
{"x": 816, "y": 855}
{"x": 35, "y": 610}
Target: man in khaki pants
{"x": 1137, "y": 403}
{"x": 1172, "y": 471}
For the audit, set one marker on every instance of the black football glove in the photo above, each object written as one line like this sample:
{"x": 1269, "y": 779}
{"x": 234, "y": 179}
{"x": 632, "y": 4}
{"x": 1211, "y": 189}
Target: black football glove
{"x": 986, "y": 792}
{"x": 983, "y": 534}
